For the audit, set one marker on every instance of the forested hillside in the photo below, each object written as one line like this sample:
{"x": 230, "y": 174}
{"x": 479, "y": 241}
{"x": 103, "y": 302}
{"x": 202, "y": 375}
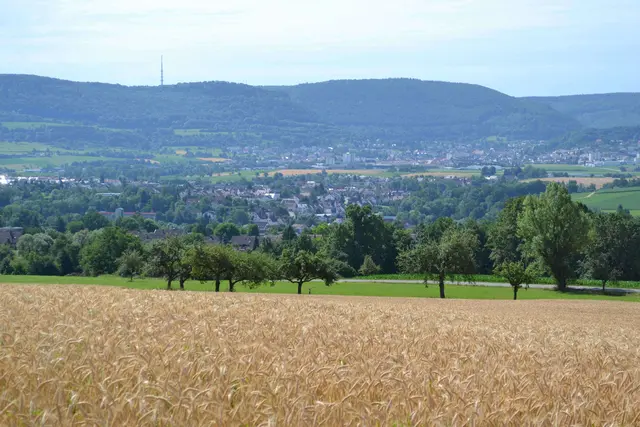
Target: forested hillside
{"x": 216, "y": 105}
{"x": 607, "y": 110}
{"x": 392, "y": 110}
{"x": 428, "y": 110}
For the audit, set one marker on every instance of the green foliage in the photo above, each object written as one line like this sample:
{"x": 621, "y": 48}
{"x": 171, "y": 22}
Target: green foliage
{"x": 453, "y": 253}
{"x": 302, "y": 267}
{"x": 598, "y": 111}
{"x": 130, "y": 264}
{"x": 211, "y": 263}
{"x": 612, "y": 252}
{"x": 517, "y": 274}
{"x": 101, "y": 253}
{"x": 169, "y": 259}
{"x": 363, "y": 233}
{"x": 226, "y": 231}
{"x": 432, "y": 110}
{"x": 251, "y": 269}
{"x": 554, "y": 230}
{"x": 369, "y": 267}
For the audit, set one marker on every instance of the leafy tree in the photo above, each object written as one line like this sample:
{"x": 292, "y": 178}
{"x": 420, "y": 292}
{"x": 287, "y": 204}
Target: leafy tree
{"x": 94, "y": 221}
{"x": 130, "y": 264}
{"x": 365, "y": 233}
{"x": 226, "y": 231}
{"x": 517, "y": 274}
{"x": 101, "y": 253}
{"x": 453, "y": 253}
{"x": 289, "y": 234}
{"x": 302, "y": 267}
{"x": 612, "y": 252}
{"x": 504, "y": 242}
{"x": 369, "y": 268}
{"x": 168, "y": 259}
{"x": 252, "y": 269}
{"x": 211, "y": 262}
{"x": 555, "y": 231}
{"x": 252, "y": 230}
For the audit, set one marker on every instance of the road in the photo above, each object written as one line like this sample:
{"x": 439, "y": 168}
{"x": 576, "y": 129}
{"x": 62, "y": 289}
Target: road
{"x": 494, "y": 285}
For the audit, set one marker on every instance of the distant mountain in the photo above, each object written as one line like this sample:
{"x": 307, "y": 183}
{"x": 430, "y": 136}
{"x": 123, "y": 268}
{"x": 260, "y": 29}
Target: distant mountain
{"x": 603, "y": 111}
{"x": 402, "y": 110}
{"x": 427, "y": 110}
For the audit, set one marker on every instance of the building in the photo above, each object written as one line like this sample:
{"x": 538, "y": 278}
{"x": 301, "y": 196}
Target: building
{"x": 245, "y": 243}
{"x": 348, "y": 158}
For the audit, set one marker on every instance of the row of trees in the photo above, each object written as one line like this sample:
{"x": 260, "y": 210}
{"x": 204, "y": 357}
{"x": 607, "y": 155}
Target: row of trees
{"x": 533, "y": 236}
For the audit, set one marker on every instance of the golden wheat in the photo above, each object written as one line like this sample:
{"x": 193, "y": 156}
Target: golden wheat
{"x": 108, "y": 356}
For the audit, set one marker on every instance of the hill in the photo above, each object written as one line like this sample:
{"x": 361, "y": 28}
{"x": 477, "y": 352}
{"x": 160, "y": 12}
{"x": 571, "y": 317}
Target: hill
{"x": 608, "y": 110}
{"x": 427, "y": 109}
{"x": 228, "y": 106}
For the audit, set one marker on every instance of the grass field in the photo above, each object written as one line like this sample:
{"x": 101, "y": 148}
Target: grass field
{"x": 444, "y": 173}
{"x": 608, "y": 200}
{"x": 414, "y": 290}
{"x": 20, "y": 163}
{"x": 103, "y": 356}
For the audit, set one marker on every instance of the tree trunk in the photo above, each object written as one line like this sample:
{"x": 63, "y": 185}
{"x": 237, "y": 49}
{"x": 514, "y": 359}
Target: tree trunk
{"x": 441, "y": 284}
{"x": 562, "y": 284}
{"x": 169, "y": 284}
{"x": 182, "y": 284}
{"x": 515, "y": 292}
{"x": 217, "y": 284}
{"x": 604, "y": 283}
{"x": 299, "y": 288}
{"x": 231, "y": 285}
{"x": 131, "y": 278}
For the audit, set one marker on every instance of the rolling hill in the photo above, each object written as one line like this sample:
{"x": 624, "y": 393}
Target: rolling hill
{"x": 610, "y": 110}
{"x": 427, "y": 109}
{"x": 393, "y": 109}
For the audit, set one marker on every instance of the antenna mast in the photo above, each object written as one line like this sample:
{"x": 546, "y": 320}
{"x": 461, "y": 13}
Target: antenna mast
{"x": 161, "y": 70}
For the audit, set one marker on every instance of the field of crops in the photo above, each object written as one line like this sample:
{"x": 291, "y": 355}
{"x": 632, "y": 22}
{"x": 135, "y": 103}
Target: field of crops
{"x": 109, "y": 356}
{"x": 609, "y": 200}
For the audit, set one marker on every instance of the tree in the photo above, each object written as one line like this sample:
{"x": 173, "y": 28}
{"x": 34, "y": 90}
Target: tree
{"x": 168, "y": 259}
{"x": 94, "y": 221}
{"x": 368, "y": 268}
{"x": 226, "y": 231}
{"x": 289, "y": 234}
{"x": 453, "y": 253}
{"x": 611, "y": 254}
{"x": 252, "y": 269}
{"x": 211, "y": 263}
{"x": 252, "y": 230}
{"x": 517, "y": 274}
{"x": 100, "y": 254}
{"x": 554, "y": 231}
{"x": 130, "y": 264}
{"x": 503, "y": 240}
{"x": 365, "y": 233}
{"x": 302, "y": 267}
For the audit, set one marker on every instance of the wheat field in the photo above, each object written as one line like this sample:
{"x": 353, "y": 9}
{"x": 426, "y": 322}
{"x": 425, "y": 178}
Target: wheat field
{"x": 114, "y": 357}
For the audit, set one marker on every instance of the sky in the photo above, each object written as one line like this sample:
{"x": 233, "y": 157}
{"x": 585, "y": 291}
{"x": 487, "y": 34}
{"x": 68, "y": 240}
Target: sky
{"x": 519, "y": 47}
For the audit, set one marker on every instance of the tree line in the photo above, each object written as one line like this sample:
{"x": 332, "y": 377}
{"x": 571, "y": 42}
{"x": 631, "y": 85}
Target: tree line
{"x": 538, "y": 235}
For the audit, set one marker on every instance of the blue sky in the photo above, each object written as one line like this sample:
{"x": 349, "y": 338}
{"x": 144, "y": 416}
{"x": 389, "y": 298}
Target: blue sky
{"x": 520, "y": 47}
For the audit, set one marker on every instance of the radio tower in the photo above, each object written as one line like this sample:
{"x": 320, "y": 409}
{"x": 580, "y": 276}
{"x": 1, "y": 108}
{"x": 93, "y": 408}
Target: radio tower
{"x": 161, "y": 70}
